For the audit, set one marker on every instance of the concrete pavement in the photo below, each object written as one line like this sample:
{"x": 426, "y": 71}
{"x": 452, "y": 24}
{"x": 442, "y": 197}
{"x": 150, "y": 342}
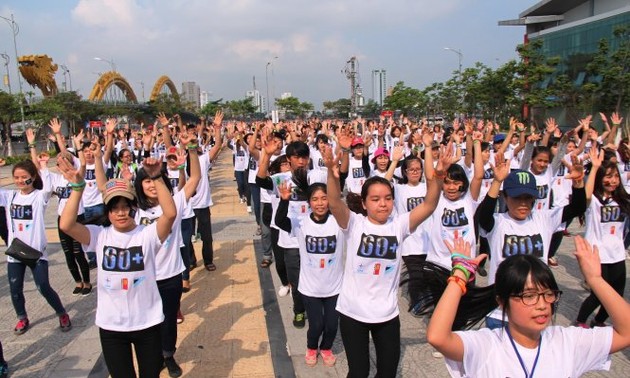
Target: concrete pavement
{"x": 235, "y": 324}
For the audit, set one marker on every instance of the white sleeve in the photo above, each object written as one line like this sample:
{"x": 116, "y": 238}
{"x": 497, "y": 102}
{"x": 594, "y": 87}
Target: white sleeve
{"x": 95, "y": 231}
{"x": 591, "y": 348}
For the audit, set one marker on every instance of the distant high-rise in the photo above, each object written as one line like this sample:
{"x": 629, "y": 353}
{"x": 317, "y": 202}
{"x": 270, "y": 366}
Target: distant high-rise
{"x": 257, "y": 100}
{"x": 379, "y": 86}
{"x": 191, "y": 93}
{"x": 204, "y": 98}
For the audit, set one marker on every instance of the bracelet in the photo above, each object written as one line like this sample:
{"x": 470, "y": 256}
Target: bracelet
{"x": 156, "y": 177}
{"x": 180, "y": 167}
{"x": 32, "y": 145}
{"x": 77, "y": 187}
{"x": 346, "y": 150}
{"x": 460, "y": 256}
{"x": 476, "y": 141}
{"x": 441, "y": 175}
{"x": 191, "y": 146}
{"x": 461, "y": 269}
{"x": 459, "y": 281}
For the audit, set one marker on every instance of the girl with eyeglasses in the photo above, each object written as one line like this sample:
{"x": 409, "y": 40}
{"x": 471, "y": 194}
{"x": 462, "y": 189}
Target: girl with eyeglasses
{"x": 529, "y": 345}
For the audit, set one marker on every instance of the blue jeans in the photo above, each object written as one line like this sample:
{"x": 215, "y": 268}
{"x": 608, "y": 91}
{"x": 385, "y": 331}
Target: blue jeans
{"x": 322, "y": 321}
{"x": 241, "y": 184}
{"x": 15, "y": 273}
{"x": 265, "y": 235}
{"x": 187, "y": 249}
{"x": 255, "y": 194}
{"x": 171, "y": 294}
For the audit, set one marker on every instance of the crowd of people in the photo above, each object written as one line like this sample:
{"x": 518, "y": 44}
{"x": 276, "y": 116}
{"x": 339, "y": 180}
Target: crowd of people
{"x": 344, "y": 210}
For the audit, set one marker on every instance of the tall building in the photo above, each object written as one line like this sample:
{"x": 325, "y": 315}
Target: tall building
{"x": 257, "y": 100}
{"x": 286, "y": 95}
{"x": 204, "y": 98}
{"x": 572, "y": 29}
{"x": 379, "y": 86}
{"x": 191, "y": 93}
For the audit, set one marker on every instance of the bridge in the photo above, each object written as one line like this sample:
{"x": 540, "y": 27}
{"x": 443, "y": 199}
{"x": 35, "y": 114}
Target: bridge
{"x": 39, "y": 71}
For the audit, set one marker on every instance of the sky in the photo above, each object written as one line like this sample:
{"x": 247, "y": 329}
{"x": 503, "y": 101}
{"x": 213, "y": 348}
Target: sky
{"x": 223, "y": 44}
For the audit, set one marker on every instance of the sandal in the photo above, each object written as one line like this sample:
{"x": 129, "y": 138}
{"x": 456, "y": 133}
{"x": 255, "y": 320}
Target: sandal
{"x": 265, "y": 263}
{"x": 185, "y": 286}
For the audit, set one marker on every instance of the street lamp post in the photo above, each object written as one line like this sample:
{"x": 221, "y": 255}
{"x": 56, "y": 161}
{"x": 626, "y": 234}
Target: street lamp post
{"x": 460, "y": 56}
{"x": 142, "y": 85}
{"x": 15, "y": 29}
{"x": 273, "y": 83}
{"x": 110, "y": 61}
{"x": 6, "y": 67}
{"x": 66, "y": 71}
{"x": 267, "y": 85}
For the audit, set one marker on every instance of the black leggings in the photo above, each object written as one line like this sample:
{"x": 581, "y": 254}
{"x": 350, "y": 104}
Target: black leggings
{"x": 278, "y": 255}
{"x": 171, "y": 294}
{"x": 75, "y": 257}
{"x": 119, "y": 358}
{"x": 356, "y": 338}
{"x": 615, "y": 275}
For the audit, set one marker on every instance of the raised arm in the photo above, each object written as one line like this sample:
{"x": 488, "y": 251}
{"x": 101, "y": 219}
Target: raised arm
{"x": 475, "y": 183}
{"x": 188, "y": 141}
{"x": 434, "y": 182}
{"x": 337, "y": 206}
{"x": 68, "y": 219}
{"x": 153, "y": 169}
{"x": 55, "y": 127}
{"x": 439, "y": 331}
{"x": 616, "y": 306}
{"x": 32, "y": 146}
{"x": 110, "y": 129}
{"x": 218, "y": 144}
{"x": 596, "y": 161}
{"x": 397, "y": 155}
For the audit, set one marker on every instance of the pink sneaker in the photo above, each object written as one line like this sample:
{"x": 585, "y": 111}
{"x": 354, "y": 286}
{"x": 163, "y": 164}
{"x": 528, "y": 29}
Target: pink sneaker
{"x": 311, "y": 357}
{"x": 328, "y": 357}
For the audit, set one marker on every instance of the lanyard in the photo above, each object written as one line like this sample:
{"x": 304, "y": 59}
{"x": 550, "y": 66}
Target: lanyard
{"x": 520, "y": 359}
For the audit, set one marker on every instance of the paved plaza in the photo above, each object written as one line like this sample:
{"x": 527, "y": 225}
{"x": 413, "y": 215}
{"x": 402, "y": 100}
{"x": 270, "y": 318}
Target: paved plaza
{"x": 235, "y": 324}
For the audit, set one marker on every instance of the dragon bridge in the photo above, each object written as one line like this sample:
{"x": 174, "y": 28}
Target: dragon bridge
{"x": 162, "y": 82}
{"x": 108, "y": 80}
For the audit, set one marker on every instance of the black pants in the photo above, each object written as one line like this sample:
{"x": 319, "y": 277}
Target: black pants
{"x": 323, "y": 321}
{"x": 204, "y": 227}
{"x": 75, "y": 257}
{"x": 356, "y": 338}
{"x": 615, "y": 275}
{"x": 415, "y": 275}
{"x": 171, "y": 293}
{"x": 278, "y": 255}
{"x": 119, "y": 358}
{"x": 292, "y": 262}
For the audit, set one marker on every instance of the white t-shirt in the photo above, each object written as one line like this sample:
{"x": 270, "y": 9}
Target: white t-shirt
{"x": 59, "y": 187}
{"x": 369, "y": 291}
{"x": 241, "y": 158}
{"x": 25, "y": 218}
{"x": 91, "y": 194}
{"x": 543, "y": 184}
{"x": 564, "y": 352}
{"x": 253, "y": 169}
{"x": 128, "y": 296}
{"x": 168, "y": 262}
{"x": 452, "y": 220}
{"x": 407, "y": 198}
{"x": 604, "y": 228}
{"x": 203, "y": 196}
{"x": 356, "y": 176}
{"x": 173, "y": 177}
{"x": 321, "y": 256}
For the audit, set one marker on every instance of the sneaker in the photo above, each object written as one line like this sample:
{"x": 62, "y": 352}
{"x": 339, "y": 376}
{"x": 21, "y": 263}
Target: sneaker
{"x": 86, "y": 290}
{"x": 193, "y": 239}
{"x": 437, "y": 354}
{"x": 311, "y": 357}
{"x": 249, "y": 209}
{"x": 173, "y": 369}
{"x": 197, "y": 237}
{"x": 21, "y": 327}
{"x": 77, "y": 290}
{"x": 328, "y": 357}
{"x": 579, "y": 324}
{"x": 552, "y": 262}
{"x": 4, "y": 370}
{"x": 595, "y": 323}
{"x": 585, "y": 286}
{"x": 284, "y": 291}
{"x": 242, "y": 200}
{"x": 299, "y": 320}
{"x": 64, "y": 323}
{"x": 180, "y": 317}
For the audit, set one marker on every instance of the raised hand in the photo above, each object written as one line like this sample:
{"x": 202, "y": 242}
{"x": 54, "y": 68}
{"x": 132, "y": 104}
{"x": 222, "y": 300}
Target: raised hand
{"x": 55, "y": 126}
{"x": 218, "y": 118}
{"x": 398, "y": 153}
{"x": 616, "y": 119}
{"x": 462, "y": 247}
{"x": 284, "y": 189}
{"x": 152, "y": 166}
{"x": 96, "y": 148}
{"x": 68, "y": 170}
{"x": 345, "y": 138}
{"x": 550, "y": 125}
{"x": 110, "y": 125}
{"x": 588, "y": 259}
{"x": 576, "y": 171}
{"x": 30, "y": 136}
{"x": 162, "y": 119}
{"x": 501, "y": 167}
{"x": 596, "y": 157}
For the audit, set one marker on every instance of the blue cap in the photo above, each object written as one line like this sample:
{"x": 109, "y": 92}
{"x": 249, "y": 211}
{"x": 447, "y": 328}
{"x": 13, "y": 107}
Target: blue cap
{"x": 499, "y": 138}
{"x": 520, "y": 182}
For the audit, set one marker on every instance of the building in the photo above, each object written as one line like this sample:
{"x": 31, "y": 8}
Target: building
{"x": 572, "y": 29}
{"x": 204, "y": 98}
{"x": 285, "y": 95}
{"x": 191, "y": 93}
{"x": 257, "y": 100}
{"x": 379, "y": 86}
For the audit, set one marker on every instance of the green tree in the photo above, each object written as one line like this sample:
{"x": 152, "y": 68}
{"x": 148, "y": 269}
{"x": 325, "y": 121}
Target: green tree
{"x": 409, "y": 101}
{"x": 339, "y": 108}
{"x": 293, "y": 106}
{"x": 210, "y": 109}
{"x": 240, "y": 108}
{"x": 371, "y": 109}
{"x": 9, "y": 113}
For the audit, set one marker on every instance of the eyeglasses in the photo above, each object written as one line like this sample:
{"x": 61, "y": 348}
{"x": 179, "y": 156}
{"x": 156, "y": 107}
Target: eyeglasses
{"x": 532, "y": 298}
{"x": 413, "y": 170}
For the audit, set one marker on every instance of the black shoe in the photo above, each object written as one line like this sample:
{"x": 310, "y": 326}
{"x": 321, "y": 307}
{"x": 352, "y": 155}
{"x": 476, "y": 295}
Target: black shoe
{"x": 86, "y": 290}
{"x": 77, "y": 290}
{"x": 299, "y": 320}
{"x": 173, "y": 369}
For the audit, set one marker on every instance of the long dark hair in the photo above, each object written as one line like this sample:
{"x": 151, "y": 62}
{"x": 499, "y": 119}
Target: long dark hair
{"x": 428, "y": 281}
{"x": 145, "y": 202}
{"x": 405, "y": 165}
{"x": 619, "y": 195}
{"x": 31, "y": 169}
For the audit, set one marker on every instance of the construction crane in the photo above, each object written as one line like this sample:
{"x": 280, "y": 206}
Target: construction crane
{"x": 352, "y": 73}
